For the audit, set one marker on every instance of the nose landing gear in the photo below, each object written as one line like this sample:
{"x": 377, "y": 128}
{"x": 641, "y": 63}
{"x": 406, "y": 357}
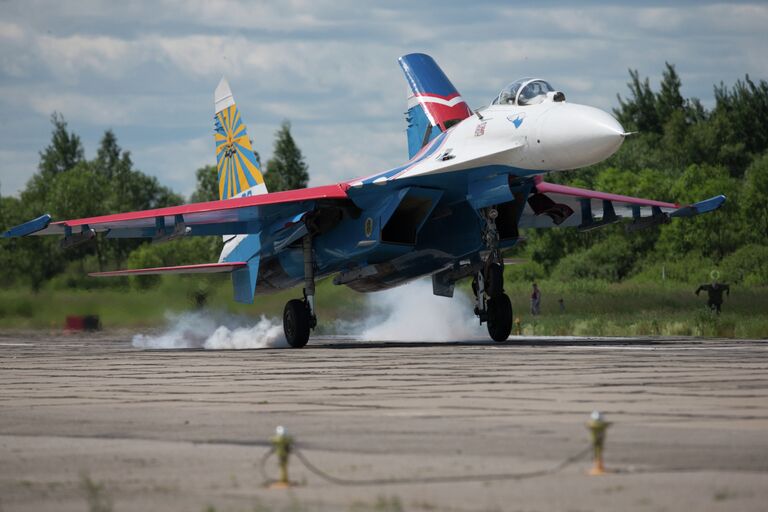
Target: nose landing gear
{"x": 499, "y": 314}
{"x": 492, "y": 305}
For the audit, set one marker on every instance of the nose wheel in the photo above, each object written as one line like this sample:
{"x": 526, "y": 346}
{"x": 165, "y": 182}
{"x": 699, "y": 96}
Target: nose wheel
{"x": 492, "y": 305}
{"x": 494, "y": 279}
{"x": 499, "y": 317}
{"x": 493, "y": 308}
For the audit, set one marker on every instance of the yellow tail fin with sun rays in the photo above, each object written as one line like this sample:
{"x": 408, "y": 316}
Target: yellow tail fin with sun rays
{"x": 239, "y": 173}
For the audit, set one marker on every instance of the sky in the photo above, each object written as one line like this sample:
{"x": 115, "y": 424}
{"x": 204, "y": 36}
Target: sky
{"x": 147, "y": 69}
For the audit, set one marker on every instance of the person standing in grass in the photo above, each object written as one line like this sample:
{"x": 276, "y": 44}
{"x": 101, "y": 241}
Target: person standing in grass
{"x": 535, "y": 300}
{"x": 715, "y": 294}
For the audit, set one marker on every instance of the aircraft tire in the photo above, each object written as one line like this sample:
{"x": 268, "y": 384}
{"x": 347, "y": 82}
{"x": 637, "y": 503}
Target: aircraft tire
{"x": 296, "y": 323}
{"x": 494, "y": 280}
{"x": 499, "y": 317}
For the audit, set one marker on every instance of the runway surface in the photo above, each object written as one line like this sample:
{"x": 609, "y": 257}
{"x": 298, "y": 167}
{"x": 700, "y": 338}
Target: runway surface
{"x": 184, "y": 430}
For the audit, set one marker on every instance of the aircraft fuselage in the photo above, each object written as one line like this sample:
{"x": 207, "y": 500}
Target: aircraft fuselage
{"x": 422, "y": 216}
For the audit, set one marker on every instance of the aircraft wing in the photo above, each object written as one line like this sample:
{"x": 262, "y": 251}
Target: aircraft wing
{"x": 202, "y": 268}
{"x": 225, "y": 217}
{"x": 551, "y": 205}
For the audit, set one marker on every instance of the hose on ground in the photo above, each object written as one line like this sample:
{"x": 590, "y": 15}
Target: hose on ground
{"x": 428, "y": 479}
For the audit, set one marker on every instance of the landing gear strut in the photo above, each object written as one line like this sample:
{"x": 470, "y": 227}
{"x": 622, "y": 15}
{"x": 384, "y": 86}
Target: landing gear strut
{"x": 299, "y": 315}
{"x": 492, "y": 305}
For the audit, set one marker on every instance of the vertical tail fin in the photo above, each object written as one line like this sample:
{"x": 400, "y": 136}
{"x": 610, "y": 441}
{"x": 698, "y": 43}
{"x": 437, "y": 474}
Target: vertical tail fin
{"x": 239, "y": 173}
{"x": 434, "y": 104}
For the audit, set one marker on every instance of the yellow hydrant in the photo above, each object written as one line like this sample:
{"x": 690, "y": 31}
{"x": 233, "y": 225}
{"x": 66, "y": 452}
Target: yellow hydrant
{"x": 518, "y": 327}
{"x": 282, "y": 443}
{"x": 598, "y": 427}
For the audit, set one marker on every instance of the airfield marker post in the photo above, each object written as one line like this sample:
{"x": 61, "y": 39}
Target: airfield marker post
{"x": 283, "y": 446}
{"x": 598, "y": 427}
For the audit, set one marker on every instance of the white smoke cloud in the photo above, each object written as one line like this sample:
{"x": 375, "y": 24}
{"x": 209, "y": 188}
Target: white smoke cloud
{"x": 214, "y": 332}
{"x": 413, "y": 313}
{"x": 406, "y": 313}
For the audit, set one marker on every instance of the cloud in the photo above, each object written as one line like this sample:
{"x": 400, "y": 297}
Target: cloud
{"x": 179, "y": 160}
{"x": 77, "y": 55}
{"x": 341, "y": 156}
{"x": 81, "y": 107}
{"x": 14, "y": 169}
{"x": 331, "y": 68}
{"x": 12, "y": 41}
{"x": 11, "y": 32}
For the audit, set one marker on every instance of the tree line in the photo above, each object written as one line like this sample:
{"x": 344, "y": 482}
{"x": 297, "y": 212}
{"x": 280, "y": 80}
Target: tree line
{"x": 69, "y": 186}
{"x": 682, "y": 152}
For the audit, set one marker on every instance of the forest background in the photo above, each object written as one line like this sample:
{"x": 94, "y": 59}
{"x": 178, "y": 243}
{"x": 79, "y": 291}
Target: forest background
{"x": 610, "y": 281}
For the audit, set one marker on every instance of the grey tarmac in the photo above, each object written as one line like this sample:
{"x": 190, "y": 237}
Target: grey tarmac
{"x": 184, "y": 430}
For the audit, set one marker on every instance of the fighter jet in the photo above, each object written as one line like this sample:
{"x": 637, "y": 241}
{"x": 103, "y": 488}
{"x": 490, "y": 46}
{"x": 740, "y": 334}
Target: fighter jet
{"x": 472, "y": 181}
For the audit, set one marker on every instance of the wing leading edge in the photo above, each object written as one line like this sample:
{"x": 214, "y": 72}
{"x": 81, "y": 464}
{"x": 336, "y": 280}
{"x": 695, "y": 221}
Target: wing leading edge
{"x": 551, "y": 205}
{"x": 228, "y": 216}
{"x": 204, "y": 268}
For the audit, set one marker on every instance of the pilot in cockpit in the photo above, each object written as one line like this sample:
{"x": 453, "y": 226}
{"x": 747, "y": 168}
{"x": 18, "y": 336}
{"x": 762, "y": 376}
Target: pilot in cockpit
{"x": 527, "y": 91}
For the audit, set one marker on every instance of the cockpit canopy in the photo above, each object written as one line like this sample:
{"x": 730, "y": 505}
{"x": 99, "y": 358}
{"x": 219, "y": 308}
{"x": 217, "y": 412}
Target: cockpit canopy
{"x": 526, "y": 91}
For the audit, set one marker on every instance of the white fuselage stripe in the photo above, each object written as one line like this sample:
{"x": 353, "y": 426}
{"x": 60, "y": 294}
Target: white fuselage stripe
{"x": 448, "y": 103}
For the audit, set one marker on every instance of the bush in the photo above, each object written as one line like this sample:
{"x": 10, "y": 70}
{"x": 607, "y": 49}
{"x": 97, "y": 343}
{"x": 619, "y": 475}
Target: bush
{"x": 147, "y": 256}
{"x": 185, "y": 251}
{"x": 691, "y": 268}
{"x": 75, "y": 276}
{"x": 747, "y": 266}
{"x": 610, "y": 260}
{"x": 525, "y": 272}
{"x": 25, "y": 309}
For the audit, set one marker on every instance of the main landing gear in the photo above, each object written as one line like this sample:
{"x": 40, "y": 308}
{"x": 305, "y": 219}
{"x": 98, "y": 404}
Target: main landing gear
{"x": 492, "y": 305}
{"x": 299, "y": 315}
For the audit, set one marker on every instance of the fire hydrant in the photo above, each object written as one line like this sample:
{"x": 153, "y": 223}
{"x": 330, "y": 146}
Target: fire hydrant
{"x": 282, "y": 443}
{"x": 598, "y": 427}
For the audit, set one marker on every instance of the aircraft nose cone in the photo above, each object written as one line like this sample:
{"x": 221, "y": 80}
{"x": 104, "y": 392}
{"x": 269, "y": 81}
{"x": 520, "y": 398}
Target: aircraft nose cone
{"x": 575, "y": 136}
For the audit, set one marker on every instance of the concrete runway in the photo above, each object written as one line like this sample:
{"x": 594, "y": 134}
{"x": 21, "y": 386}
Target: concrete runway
{"x": 184, "y": 430}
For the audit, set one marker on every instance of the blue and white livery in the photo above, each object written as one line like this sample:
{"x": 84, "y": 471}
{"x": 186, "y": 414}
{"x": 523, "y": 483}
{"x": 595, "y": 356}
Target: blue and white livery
{"x": 472, "y": 180}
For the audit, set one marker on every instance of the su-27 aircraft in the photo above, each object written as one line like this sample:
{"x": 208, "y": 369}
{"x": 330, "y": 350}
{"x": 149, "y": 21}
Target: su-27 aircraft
{"x": 472, "y": 181}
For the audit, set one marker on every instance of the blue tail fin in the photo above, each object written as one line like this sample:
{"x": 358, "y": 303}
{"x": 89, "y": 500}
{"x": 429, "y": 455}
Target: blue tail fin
{"x": 434, "y": 104}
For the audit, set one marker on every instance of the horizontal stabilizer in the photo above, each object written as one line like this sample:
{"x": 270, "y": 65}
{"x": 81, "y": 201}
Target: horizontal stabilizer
{"x": 33, "y": 226}
{"x": 203, "y": 268}
{"x": 705, "y": 206}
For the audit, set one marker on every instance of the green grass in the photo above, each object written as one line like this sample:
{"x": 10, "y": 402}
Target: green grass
{"x": 591, "y": 307}
{"x": 95, "y": 494}
{"x": 129, "y": 307}
{"x": 639, "y": 309}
